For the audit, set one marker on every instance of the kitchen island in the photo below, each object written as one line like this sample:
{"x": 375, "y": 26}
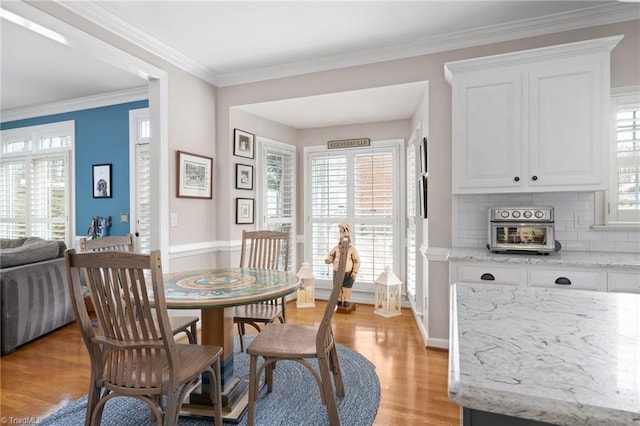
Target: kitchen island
{"x": 524, "y": 355}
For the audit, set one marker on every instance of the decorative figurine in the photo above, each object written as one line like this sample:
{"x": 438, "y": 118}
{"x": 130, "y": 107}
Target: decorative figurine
{"x": 351, "y": 269}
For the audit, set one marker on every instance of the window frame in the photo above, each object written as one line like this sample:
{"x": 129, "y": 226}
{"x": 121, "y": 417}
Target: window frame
{"x": 399, "y": 208}
{"x": 265, "y": 147}
{"x": 36, "y": 133}
{"x": 606, "y": 214}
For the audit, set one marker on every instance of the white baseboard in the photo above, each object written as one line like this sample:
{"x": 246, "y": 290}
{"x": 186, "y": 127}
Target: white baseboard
{"x": 438, "y": 343}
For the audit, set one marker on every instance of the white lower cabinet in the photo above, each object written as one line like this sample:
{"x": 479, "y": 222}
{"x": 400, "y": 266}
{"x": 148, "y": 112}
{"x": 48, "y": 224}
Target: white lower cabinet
{"x": 627, "y": 282}
{"x": 567, "y": 277}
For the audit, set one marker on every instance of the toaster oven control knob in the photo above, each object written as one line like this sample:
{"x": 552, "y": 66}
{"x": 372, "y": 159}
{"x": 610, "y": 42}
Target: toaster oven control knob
{"x": 504, "y": 214}
{"x": 515, "y": 214}
{"x": 539, "y": 214}
{"x": 527, "y": 214}
{"x": 517, "y": 179}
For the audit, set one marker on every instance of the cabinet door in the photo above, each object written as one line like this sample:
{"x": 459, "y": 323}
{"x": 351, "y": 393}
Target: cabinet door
{"x": 567, "y": 137}
{"x": 487, "y": 131}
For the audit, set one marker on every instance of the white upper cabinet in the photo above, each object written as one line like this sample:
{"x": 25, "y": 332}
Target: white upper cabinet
{"x": 532, "y": 121}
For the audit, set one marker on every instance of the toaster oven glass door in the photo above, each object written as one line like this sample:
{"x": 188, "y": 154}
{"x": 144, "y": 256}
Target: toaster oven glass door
{"x": 522, "y": 236}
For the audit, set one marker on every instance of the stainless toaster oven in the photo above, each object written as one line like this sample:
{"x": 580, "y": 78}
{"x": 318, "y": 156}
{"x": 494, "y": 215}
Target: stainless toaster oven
{"x": 522, "y": 229}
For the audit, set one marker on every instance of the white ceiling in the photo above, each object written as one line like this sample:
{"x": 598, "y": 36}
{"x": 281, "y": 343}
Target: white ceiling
{"x": 229, "y": 43}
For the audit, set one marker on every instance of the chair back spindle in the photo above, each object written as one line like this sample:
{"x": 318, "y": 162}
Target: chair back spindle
{"x": 133, "y": 351}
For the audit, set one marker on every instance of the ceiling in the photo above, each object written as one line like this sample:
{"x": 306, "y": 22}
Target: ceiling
{"x": 229, "y": 43}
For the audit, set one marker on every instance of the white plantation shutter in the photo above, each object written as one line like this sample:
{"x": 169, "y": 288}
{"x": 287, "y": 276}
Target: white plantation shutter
{"x": 411, "y": 221}
{"x": 140, "y": 139}
{"x": 358, "y": 187}
{"x": 48, "y": 198}
{"x": 35, "y": 182}
{"x": 373, "y": 213}
{"x": 277, "y": 182}
{"x": 143, "y": 198}
{"x": 13, "y": 199}
{"x": 328, "y": 207}
{"x": 624, "y": 201}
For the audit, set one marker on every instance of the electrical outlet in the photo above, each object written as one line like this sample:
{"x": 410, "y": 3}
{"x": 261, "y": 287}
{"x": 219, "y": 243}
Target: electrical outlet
{"x": 174, "y": 219}
{"x": 124, "y": 217}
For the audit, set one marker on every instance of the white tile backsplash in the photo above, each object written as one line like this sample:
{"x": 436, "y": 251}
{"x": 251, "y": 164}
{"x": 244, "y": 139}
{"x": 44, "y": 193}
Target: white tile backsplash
{"x": 574, "y": 217}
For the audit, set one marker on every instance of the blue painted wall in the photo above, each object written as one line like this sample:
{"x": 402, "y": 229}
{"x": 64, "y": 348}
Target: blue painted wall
{"x": 102, "y": 137}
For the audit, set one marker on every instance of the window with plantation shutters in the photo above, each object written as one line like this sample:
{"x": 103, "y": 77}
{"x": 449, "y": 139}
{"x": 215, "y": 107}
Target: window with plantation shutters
{"x": 276, "y": 187}
{"x": 359, "y": 187}
{"x": 624, "y": 193}
{"x": 411, "y": 220}
{"x": 35, "y": 182}
{"x": 139, "y": 138}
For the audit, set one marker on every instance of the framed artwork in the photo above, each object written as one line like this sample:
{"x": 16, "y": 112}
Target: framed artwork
{"x": 244, "y": 211}
{"x": 424, "y": 163}
{"x": 243, "y": 143}
{"x": 102, "y": 181}
{"x": 195, "y": 176}
{"x": 424, "y": 180}
{"x": 244, "y": 176}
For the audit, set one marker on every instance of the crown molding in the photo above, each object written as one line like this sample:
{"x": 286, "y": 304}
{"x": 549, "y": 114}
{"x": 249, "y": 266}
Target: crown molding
{"x": 593, "y": 46}
{"x": 97, "y": 101}
{"x": 590, "y": 17}
{"x": 566, "y": 21}
{"x": 102, "y": 17}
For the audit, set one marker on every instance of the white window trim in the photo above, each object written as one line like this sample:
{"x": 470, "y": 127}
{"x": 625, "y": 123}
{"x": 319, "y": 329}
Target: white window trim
{"x": 34, "y": 133}
{"x": 399, "y": 265}
{"x": 262, "y": 146}
{"x": 603, "y": 199}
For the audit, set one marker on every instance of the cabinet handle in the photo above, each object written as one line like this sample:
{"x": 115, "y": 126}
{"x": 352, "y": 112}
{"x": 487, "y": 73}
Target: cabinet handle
{"x": 487, "y": 277}
{"x": 563, "y": 281}
{"x": 516, "y": 178}
{"x": 534, "y": 177}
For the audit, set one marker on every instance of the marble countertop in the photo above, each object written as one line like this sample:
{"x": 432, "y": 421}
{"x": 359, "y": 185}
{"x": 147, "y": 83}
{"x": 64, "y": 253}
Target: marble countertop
{"x": 557, "y": 356}
{"x": 566, "y": 258}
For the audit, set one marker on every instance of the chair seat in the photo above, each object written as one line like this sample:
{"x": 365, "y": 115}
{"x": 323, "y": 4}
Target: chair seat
{"x": 193, "y": 358}
{"x": 285, "y": 341}
{"x": 185, "y": 324}
{"x": 259, "y": 312}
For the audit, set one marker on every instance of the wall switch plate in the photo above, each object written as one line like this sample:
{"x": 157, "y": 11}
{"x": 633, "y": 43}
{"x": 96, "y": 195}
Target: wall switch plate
{"x": 174, "y": 219}
{"x": 124, "y": 217}
{"x": 579, "y": 221}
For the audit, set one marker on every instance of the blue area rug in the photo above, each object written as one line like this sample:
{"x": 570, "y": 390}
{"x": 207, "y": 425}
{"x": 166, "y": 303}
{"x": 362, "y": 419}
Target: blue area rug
{"x": 295, "y": 399}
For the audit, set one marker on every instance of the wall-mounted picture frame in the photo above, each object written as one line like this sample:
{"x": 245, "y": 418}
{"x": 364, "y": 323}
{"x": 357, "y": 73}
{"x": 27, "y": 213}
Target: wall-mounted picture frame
{"x": 244, "y": 211}
{"x": 195, "y": 176}
{"x": 244, "y": 176}
{"x": 243, "y": 143}
{"x": 424, "y": 190}
{"x": 424, "y": 161}
{"x": 102, "y": 181}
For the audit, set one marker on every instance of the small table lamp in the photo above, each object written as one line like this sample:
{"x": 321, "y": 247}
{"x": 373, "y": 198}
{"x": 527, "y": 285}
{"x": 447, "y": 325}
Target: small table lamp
{"x": 306, "y": 291}
{"x": 388, "y": 294}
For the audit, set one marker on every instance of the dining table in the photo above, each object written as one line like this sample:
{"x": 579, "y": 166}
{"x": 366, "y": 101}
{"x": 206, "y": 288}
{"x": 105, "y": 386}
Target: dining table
{"x": 216, "y": 292}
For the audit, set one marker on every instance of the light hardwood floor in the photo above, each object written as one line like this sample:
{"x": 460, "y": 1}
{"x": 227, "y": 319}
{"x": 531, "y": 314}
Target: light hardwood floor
{"x": 48, "y": 373}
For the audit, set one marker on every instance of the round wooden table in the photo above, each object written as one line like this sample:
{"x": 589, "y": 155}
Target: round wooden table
{"x": 216, "y": 292}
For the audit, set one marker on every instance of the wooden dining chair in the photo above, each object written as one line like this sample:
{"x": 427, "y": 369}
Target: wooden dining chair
{"x": 179, "y": 324}
{"x": 133, "y": 352}
{"x": 269, "y": 250}
{"x": 277, "y": 342}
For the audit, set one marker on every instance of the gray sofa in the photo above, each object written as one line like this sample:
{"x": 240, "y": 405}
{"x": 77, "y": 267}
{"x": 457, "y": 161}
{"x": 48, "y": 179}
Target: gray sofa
{"x": 33, "y": 290}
